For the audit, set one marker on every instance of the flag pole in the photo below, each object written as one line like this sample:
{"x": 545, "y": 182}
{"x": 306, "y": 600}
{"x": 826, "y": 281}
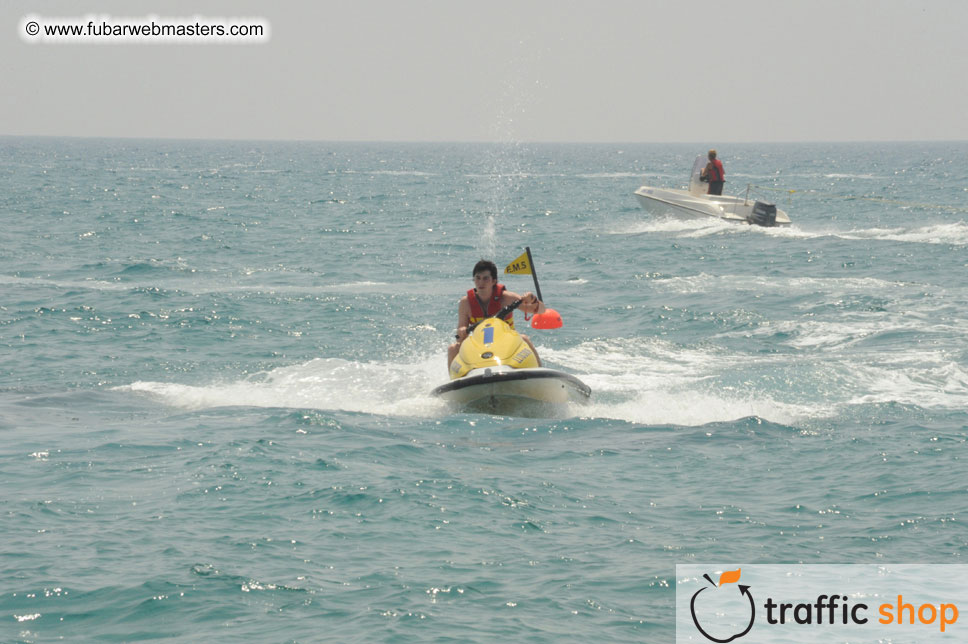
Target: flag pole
{"x": 534, "y": 273}
{"x": 550, "y": 319}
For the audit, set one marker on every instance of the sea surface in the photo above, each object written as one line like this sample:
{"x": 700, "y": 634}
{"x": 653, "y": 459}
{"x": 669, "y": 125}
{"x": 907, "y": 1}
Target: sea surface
{"x": 216, "y": 359}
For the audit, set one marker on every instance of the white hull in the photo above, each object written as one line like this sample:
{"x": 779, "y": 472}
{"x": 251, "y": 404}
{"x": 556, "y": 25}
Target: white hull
{"x": 503, "y": 390}
{"x": 663, "y": 202}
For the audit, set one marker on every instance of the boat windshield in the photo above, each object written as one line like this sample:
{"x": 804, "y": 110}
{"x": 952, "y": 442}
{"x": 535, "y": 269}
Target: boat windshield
{"x": 696, "y": 186}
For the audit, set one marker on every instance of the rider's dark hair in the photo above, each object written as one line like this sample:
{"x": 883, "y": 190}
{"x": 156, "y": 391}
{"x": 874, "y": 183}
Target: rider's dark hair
{"x": 485, "y": 265}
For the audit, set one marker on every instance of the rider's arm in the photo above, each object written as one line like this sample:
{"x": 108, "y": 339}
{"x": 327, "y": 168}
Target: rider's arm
{"x": 463, "y": 318}
{"x": 529, "y": 302}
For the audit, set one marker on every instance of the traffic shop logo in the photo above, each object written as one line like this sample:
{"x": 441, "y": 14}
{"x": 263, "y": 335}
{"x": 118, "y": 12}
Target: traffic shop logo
{"x": 726, "y": 611}
{"x": 733, "y": 602}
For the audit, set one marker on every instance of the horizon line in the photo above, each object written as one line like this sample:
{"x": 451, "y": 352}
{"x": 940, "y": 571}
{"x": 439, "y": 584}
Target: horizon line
{"x": 470, "y": 142}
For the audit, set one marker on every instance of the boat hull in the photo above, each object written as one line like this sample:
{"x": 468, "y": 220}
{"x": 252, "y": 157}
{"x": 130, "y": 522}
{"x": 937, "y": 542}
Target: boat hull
{"x": 664, "y": 202}
{"x": 522, "y": 392}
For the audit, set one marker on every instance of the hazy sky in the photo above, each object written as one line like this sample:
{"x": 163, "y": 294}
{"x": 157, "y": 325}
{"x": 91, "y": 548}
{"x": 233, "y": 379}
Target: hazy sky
{"x": 707, "y": 71}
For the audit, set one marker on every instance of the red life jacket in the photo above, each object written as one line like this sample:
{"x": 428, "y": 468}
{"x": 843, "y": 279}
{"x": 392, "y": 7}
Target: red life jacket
{"x": 493, "y": 305}
{"x": 716, "y": 173}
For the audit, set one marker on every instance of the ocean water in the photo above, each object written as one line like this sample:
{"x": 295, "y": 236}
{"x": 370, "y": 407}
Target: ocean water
{"x": 216, "y": 361}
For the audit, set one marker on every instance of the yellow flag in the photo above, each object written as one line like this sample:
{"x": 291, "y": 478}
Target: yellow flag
{"x": 520, "y": 266}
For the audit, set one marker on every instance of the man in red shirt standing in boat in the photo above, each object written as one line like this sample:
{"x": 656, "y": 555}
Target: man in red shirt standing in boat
{"x": 487, "y": 298}
{"x": 714, "y": 174}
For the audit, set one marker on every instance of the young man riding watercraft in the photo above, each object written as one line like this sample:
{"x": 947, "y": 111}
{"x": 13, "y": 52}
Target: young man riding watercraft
{"x": 494, "y": 369}
{"x": 487, "y": 298}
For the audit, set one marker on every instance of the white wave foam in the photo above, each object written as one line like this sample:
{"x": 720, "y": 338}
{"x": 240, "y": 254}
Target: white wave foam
{"x": 657, "y": 383}
{"x": 827, "y": 335}
{"x": 661, "y": 385}
{"x": 639, "y": 380}
{"x": 855, "y": 327}
{"x": 201, "y": 286}
{"x": 87, "y": 284}
{"x": 609, "y": 175}
{"x": 654, "y": 382}
{"x": 693, "y": 408}
{"x": 955, "y": 233}
{"x": 830, "y": 286}
{"x": 367, "y": 286}
{"x": 706, "y": 227}
{"x": 844, "y": 175}
{"x": 922, "y": 379}
{"x": 631, "y": 357}
{"x": 323, "y": 383}
{"x": 402, "y": 173}
{"x": 696, "y": 227}
{"x": 793, "y": 231}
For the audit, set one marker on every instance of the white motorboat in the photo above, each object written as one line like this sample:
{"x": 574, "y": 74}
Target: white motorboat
{"x": 695, "y": 203}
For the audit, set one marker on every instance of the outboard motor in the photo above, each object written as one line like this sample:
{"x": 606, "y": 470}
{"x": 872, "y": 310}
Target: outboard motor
{"x": 764, "y": 214}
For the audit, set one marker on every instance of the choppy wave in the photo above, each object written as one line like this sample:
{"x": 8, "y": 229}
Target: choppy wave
{"x": 758, "y": 394}
{"x": 649, "y": 381}
{"x": 954, "y": 233}
{"x": 657, "y": 382}
{"x": 648, "y": 396}
{"x": 830, "y": 286}
{"x": 925, "y": 380}
{"x": 396, "y": 389}
{"x": 608, "y": 175}
{"x": 686, "y": 227}
{"x": 403, "y": 173}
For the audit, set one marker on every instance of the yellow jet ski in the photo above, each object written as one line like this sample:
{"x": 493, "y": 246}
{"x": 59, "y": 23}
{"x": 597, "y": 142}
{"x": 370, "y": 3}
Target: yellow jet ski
{"x": 496, "y": 372}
